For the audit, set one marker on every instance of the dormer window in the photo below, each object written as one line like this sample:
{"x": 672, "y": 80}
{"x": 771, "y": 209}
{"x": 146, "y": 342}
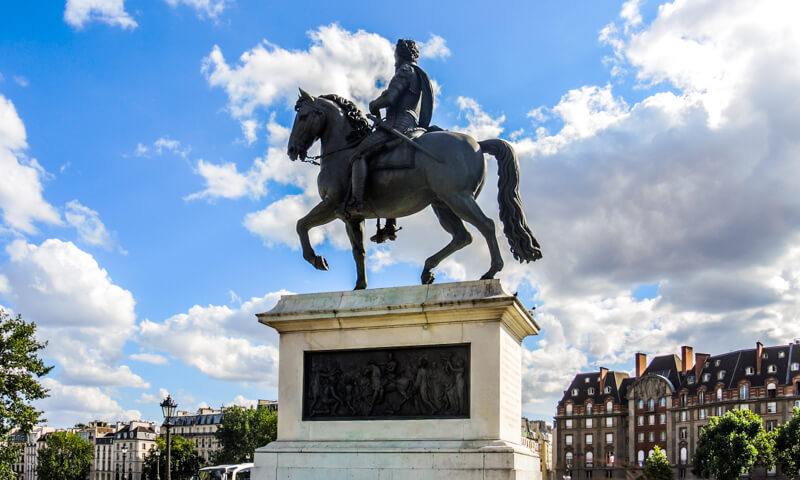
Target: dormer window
{"x": 795, "y": 366}
{"x": 575, "y": 392}
{"x": 764, "y": 356}
{"x": 716, "y": 363}
{"x": 721, "y": 375}
{"x": 607, "y": 390}
{"x": 690, "y": 380}
{"x": 590, "y": 391}
{"x": 781, "y": 354}
{"x": 749, "y": 371}
{"x": 772, "y": 369}
{"x": 586, "y": 380}
{"x": 706, "y": 377}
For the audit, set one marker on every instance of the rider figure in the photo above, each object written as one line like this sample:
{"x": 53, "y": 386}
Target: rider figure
{"x": 409, "y": 103}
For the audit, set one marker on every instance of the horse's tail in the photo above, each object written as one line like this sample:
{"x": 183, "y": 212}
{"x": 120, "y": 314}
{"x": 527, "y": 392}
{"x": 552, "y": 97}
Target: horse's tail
{"x": 520, "y": 237}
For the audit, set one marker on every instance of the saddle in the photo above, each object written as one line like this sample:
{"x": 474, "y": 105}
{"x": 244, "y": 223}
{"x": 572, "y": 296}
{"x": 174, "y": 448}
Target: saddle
{"x": 388, "y": 159}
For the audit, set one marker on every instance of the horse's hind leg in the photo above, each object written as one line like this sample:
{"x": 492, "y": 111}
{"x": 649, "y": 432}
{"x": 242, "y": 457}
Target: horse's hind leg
{"x": 322, "y": 213}
{"x": 467, "y": 209}
{"x": 455, "y": 227}
{"x": 355, "y": 231}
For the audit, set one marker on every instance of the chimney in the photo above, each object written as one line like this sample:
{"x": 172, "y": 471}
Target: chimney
{"x": 686, "y": 358}
{"x": 699, "y": 364}
{"x": 603, "y": 372}
{"x": 759, "y": 351}
{"x": 641, "y": 364}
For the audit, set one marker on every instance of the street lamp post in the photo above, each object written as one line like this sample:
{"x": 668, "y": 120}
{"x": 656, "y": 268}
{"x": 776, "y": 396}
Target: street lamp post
{"x": 158, "y": 463}
{"x": 168, "y": 409}
{"x": 124, "y": 451}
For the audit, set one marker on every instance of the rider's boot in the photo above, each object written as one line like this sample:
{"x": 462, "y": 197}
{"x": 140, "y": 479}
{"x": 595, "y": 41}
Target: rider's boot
{"x": 388, "y": 232}
{"x": 355, "y": 206}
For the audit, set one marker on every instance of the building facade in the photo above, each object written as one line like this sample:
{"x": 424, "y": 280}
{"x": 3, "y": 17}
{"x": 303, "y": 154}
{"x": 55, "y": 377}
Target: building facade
{"x": 199, "y": 428}
{"x": 538, "y": 436}
{"x": 131, "y": 442}
{"x": 671, "y": 399}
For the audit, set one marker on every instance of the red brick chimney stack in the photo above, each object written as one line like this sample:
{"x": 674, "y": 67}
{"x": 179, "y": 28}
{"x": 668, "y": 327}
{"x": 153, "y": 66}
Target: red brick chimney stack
{"x": 687, "y": 358}
{"x": 641, "y": 364}
{"x": 603, "y": 372}
{"x": 699, "y": 363}
{"x": 759, "y": 351}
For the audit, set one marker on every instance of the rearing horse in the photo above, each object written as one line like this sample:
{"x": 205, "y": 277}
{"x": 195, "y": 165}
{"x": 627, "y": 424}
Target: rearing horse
{"x": 450, "y": 184}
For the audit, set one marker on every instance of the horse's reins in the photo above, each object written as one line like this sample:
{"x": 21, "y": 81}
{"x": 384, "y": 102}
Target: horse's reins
{"x": 312, "y": 159}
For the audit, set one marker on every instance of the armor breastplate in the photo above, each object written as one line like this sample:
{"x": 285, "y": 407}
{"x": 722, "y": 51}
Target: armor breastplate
{"x": 404, "y": 114}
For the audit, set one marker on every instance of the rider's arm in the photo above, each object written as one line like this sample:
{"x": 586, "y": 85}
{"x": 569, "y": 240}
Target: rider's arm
{"x": 399, "y": 83}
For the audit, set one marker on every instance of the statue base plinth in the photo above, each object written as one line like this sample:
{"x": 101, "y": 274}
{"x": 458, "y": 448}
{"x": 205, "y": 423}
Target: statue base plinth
{"x": 407, "y": 411}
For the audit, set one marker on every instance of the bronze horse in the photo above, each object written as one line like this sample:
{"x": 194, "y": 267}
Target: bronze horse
{"x": 450, "y": 183}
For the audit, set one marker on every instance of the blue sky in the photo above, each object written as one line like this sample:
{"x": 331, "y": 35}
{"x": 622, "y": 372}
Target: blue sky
{"x": 142, "y": 146}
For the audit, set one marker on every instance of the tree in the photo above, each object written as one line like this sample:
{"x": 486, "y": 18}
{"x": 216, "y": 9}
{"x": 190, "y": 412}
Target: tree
{"x": 241, "y": 431}
{"x": 787, "y": 445}
{"x": 185, "y": 460}
{"x": 20, "y": 368}
{"x": 657, "y": 466}
{"x": 67, "y": 456}
{"x": 732, "y": 444}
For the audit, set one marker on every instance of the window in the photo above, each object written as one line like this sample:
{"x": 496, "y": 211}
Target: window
{"x": 720, "y": 411}
{"x": 651, "y": 436}
{"x": 569, "y": 409}
{"x": 568, "y": 459}
{"x": 706, "y": 377}
{"x": 589, "y": 459}
{"x": 610, "y": 407}
{"x": 744, "y": 406}
{"x": 781, "y": 354}
{"x": 772, "y": 369}
{"x": 772, "y": 407}
{"x": 651, "y": 419}
{"x": 607, "y": 390}
{"x": 588, "y": 409}
{"x": 651, "y": 405}
{"x": 716, "y": 363}
{"x": 684, "y": 455}
{"x": 589, "y": 423}
{"x": 744, "y": 392}
{"x": 683, "y": 415}
{"x": 568, "y": 423}
{"x": 771, "y": 425}
{"x": 684, "y": 399}
{"x": 568, "y": 439}
{"x": 640, "y": 420}
{"x": 797, "y": 404}
{"x": 640, "y": 404}
{"x": 771, "y": 390}
{"x": 640, "y": 458}
{"x": 749, "y": 371}
{"x": 720, "y": 374}
{"x": 662, "y": 419}
{"x": 764, "y": 356}
{"x": 586, "y": 380}
{"x": 590, "y": 391}
{"x": 719, "y": 394}
{"x": 574, "y": 392}
{"x": 609, "y": 421}
{"x": 662, "y": 436}
{"x": 795, "y": 366}
{"x": 690, "y": 379}
{"x": 701, "y": 397}
{"x": 589, "y": 439}
{"x": 609, "y": 438}
{"x": 683, "y": 433}
{"x": 640, "y": 437}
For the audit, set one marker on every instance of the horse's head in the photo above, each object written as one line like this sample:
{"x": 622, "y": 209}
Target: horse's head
{"x": 308, "y": 125}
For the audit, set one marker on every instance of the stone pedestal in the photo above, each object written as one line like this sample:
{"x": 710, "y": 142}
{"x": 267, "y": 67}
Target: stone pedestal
{"x": 482, "y": 442}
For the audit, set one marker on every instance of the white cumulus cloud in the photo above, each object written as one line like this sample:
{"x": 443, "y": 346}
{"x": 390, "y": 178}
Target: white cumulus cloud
{"x": 204, "y": 8}
{"x": 88, "y": 224}
{"x": 77, "y": 13}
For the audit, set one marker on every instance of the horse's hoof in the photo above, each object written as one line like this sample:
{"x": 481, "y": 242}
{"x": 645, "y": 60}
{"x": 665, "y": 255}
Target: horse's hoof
{"x": 427, "y": 278}
{"x": 487, "y": 276}
{"x": 320, "y": 263}
{"x": 360, "y": 286}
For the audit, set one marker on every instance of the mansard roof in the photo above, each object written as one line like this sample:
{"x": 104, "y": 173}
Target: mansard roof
{"x": 583, "y": 381}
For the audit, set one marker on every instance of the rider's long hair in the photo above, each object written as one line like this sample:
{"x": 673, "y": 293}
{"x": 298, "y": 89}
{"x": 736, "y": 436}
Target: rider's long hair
{"x": 358, "y": 122}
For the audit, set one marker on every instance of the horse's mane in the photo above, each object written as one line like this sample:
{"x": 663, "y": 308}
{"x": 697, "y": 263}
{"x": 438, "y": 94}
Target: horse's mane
{"x": 358, "y": 122}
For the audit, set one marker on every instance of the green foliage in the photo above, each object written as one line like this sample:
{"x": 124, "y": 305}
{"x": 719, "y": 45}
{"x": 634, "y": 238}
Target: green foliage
{"x": 241, "y": 431}
{"x": 19, "y": 385}
{"x": 66, "y": 457}
{"x": 787, "y": 445}
{"x": 732, "y": 444}
{"x": 657, "y": 466}
{"x": 184, "y": 460}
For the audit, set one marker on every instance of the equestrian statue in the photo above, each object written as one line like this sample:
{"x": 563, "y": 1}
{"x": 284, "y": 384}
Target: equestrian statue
{"x": 399, "y": 166}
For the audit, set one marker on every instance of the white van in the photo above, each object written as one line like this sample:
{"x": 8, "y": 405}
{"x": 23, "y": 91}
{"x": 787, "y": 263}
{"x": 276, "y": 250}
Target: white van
{"x": 226, "y": 472}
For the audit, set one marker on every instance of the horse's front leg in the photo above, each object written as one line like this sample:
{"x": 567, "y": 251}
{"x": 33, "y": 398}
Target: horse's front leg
{"x": 355, "y": 231}
{"x": 323, "y": 213}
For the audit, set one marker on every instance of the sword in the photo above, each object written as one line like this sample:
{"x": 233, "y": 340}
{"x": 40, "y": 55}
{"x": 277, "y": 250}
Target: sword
{"x": 379, "y": 123}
